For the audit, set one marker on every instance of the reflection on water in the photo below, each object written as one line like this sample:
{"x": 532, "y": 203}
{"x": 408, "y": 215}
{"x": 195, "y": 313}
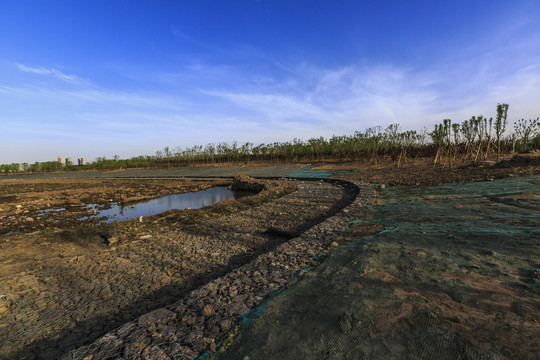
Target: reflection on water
{"x": 194, "y": 200}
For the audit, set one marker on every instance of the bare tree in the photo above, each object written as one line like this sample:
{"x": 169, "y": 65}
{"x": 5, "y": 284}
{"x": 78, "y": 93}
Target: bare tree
{"x": 500, "y": 125}
{"x": 526, "y": 130}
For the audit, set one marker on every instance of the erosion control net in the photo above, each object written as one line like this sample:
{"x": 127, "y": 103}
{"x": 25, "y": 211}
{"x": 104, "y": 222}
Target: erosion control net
{"x": 455, "y": 275}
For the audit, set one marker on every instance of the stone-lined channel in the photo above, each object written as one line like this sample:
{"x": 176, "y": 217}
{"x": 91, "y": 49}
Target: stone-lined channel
{"x": 199, "y": 322}
{"x": 77, "y": 294}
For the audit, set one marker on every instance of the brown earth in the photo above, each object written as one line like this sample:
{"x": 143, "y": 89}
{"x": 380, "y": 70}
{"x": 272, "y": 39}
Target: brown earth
{"x": 62, "y": 286}
{"x": 22, "y": 202}
{"x": 455, "y": 276}
{"x": 422, "y": 172}
{"x": 63, "y": 290}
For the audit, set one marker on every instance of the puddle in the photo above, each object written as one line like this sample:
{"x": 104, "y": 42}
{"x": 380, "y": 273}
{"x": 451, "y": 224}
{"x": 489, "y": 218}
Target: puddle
{"x": 122, "y": 212}
{"x": 193, "y": 200}
{"x": 46, "y": 211}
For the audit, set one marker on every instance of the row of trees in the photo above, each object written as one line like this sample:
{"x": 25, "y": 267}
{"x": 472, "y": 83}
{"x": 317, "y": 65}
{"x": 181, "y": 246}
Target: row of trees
{"x": 473, "y": 140}
{"x": 372, "y": 143}
{"x": 47, "y": 166}
{"x": 480, "y": 138}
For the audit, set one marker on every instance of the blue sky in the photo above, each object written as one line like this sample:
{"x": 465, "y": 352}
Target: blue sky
{"x": 103, "y": 78}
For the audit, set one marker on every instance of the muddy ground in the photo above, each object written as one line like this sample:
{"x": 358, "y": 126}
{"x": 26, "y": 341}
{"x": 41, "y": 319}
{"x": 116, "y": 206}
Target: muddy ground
{"x": 63, "y": 290}
{"x": 64, "y": 284}
{"x": 30, "y": 205}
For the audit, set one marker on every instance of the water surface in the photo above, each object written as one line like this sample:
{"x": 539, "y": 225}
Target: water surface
{"x": 193, "y": 200}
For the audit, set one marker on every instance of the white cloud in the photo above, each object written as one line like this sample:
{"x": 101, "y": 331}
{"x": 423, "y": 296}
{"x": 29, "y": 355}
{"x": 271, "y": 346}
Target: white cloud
{"x": 72, "y": 79}
{"x": 180, "y": 35}
{"x": 338, "y": 101}
{"x": 204, "y": 103}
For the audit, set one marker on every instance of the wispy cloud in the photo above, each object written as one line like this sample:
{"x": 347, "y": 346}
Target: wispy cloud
{"x": 352, "y": 98}
{"x": 340, "y": 100}
{"x": 180, "y": 35}
{"x": 203, "y": 103}
{"x": 72, "y": 79}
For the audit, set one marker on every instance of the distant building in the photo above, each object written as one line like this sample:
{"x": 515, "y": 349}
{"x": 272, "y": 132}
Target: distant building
{"x": 61, "y": 160}
{"x": 68, "y": 161}
{"x": 81, "y": 161}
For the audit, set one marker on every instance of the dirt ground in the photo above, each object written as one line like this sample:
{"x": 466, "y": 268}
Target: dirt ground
{"x": 425, "y": 288}
{"x": 63, "y": 289}
{"x": 422, "y": 172}
{"x": 64, "y": 283}
{"x": 455, "y": 274}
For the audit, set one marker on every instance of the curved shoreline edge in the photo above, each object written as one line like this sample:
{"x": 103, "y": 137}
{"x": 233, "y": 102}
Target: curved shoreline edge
{"x": 194, "y": 324}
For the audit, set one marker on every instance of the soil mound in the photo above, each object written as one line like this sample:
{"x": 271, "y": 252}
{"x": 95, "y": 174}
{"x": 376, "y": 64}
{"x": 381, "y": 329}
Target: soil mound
{"x": 245, "y": 183}
{"x": 521, "y": 160}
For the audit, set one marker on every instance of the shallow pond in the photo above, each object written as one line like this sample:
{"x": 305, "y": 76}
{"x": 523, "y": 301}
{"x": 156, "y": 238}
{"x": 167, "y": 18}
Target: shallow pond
{"x": 193, "y": 200}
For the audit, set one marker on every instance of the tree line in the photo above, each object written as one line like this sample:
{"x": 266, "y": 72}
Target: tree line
{"x": 476, "y": 139}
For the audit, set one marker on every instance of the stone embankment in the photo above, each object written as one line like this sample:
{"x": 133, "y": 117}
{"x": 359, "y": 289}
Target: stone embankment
{"x": 61, "y": 293}
{"x": 200, "y": 321}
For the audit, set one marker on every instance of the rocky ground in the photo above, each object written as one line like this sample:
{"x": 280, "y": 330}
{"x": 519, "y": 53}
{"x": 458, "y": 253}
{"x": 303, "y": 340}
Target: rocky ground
{"x": 61, "y": 292}
{"x": 201, "y": 321}
{"x": 455, "y": 275}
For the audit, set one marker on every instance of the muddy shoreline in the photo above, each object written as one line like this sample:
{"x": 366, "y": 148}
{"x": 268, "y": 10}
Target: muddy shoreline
{"x": 28, "y": 206}
{"x": 63, "y": 292}
{"x": 202, "y": 320}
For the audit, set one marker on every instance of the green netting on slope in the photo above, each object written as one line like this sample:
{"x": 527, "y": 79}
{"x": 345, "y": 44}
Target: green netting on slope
{"x": 314, "y": 173}
{"x": 455, "y": 275}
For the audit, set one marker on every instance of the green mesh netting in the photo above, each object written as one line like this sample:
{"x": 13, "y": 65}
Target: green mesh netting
{"x": 455, "y": 275}
{"x": 314, "y": 173}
